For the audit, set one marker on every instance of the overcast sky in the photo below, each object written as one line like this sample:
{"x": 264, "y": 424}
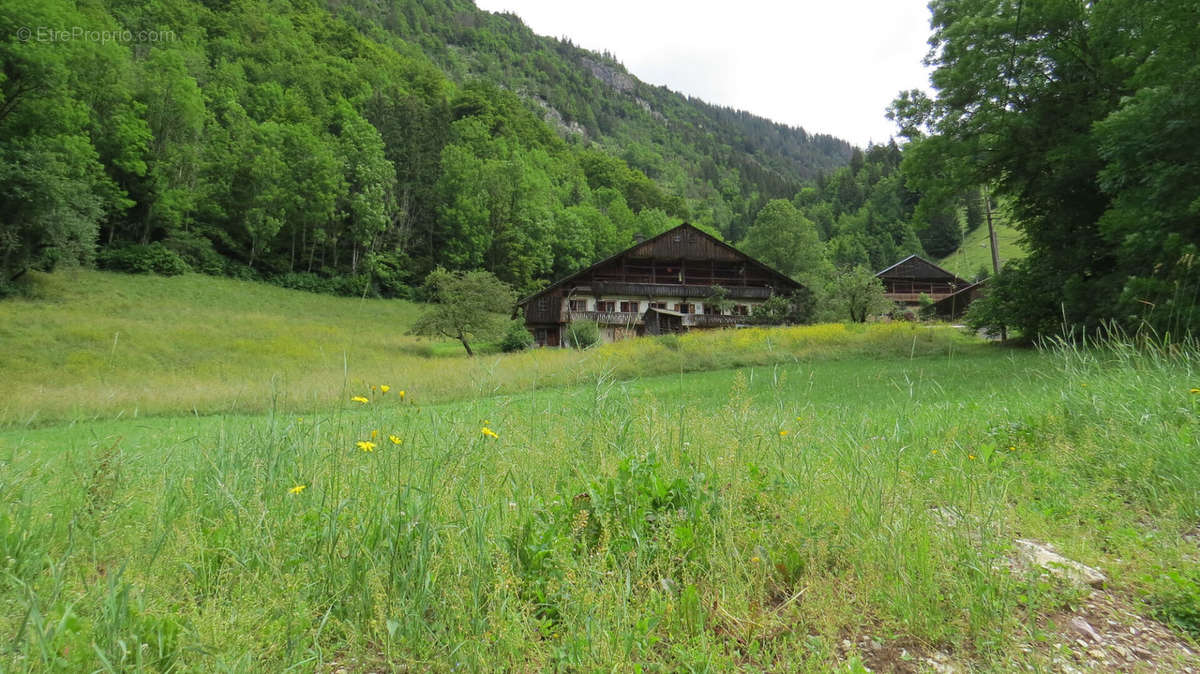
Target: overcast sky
{"x": 830, "y": 66}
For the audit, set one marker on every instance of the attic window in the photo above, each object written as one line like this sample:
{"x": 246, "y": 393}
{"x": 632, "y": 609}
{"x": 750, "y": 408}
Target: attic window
{"x": 678, "y": 238}
{"x": 543, "y": 303}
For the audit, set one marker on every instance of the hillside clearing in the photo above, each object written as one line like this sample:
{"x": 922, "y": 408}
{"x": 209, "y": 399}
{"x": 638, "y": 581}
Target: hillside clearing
{"x": 96, "y": 346}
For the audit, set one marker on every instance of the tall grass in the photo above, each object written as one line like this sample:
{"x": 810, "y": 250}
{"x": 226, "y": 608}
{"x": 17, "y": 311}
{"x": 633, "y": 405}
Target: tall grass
{"x": 751, "y": 518}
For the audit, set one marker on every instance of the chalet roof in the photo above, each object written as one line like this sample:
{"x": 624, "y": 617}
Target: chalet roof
{"x": 915, "y": 266}
{"x": 781, "y": 278}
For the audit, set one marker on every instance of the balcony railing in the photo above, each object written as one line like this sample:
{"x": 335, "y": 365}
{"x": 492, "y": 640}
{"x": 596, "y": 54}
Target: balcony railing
{"x": 675, "y": 290}
{"x": 634, "y": 318}
{"x": 608, "y": 317}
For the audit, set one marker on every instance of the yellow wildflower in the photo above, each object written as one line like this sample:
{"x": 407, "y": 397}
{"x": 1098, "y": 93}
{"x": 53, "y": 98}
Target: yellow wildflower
{"x": 359, "y": 399}
{"x": 374, "y": 433}
{"x": 395, "y": 439}
{"x": 1012, "y": 448}
{"x": 933, "y": 451}
{"x": 384, "y": 388}
{"x": 755, "y": 559}
{"x": 783, "y": 433}
{"x": 401, "y": 394}
{"x": 971, "y": 457}
{"x": 1194, "y": 390}
{"x": 297, "y": 489}
{"x": 365, "y": 445}
{"x": 489, "y": 432}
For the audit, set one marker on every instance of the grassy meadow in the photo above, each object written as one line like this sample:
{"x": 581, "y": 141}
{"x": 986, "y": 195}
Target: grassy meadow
{"x": 94, "y": 345}
{"x": 759, "y": 500}
{"x": 976, "y": 252}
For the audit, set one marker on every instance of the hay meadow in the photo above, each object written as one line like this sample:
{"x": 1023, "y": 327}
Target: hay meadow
{"x": 250, "y": 479}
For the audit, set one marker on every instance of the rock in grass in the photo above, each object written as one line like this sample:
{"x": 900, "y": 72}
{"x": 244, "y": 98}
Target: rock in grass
{"x": 1040, "y": 555}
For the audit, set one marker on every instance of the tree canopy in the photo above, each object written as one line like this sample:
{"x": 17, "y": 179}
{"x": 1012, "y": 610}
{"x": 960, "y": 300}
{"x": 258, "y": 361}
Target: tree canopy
{"x": 1078, "y": 113}
{"x": 465, "y": 306}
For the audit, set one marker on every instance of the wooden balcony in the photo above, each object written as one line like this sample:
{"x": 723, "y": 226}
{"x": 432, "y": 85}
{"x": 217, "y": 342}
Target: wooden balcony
{"x": 607, "y": 317}
{"x": 633, "y": 318}
{"x": 664, "y": 290}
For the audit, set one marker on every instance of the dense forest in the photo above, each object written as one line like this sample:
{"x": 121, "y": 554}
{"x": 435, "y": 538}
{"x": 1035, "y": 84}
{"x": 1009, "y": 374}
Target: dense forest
{"x": 1083, "y": 117}
{"x": 354, "y": 146}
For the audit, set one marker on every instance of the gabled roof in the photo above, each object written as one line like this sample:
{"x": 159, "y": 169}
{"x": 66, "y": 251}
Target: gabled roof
{"x": 916, "y": 262}
{"x": 779, "y": 276}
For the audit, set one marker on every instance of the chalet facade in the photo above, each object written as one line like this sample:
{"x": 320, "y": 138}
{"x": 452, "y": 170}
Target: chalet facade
{"x": 663, "y": 284}
{"x": 908, "y": 279}
{"x": 955, "y": 306}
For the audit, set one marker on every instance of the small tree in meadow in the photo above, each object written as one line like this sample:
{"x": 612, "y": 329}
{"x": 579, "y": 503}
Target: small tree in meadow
{"x": 858, "y": 293}
{"x": 466, "y": 305}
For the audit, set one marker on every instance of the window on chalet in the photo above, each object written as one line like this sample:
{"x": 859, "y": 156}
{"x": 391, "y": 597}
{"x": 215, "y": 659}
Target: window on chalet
{"x": 630, "y": 307}
{"x": 685, "y": 308}
{"x": 543, "y": 304}
{"x": 657, "y": 305}
{"x": 712, "y": 309}
{"x": 741, "y": 310}
{"x": 577, "y": 305}
{"x": 606, "y": 305}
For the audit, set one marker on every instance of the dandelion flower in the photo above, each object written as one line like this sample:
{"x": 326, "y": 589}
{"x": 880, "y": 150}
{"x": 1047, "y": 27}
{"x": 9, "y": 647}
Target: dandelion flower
{"x": 755, "y": 559}
{"x": 401, "y": 394}
{"x": 971, "y": 457}
{"x": 783, "y": 433}
{"x": 374, "y": 433}
{"x": 395, "y": 439}
{"x": 365, "y": 445}
{"x": 1011, "y": 448}
{"x": 489, "y": 432}
{"x": 384, "y": 388}
{"x": 933, "y": 451}
{"x": 359, "y": 399}
{"x": 297, "y": 489}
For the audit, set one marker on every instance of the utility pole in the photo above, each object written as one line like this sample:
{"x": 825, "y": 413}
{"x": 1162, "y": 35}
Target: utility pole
{"x": 987, "y": 209}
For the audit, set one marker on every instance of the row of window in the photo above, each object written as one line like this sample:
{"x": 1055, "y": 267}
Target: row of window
{"x": 633, "y": 306}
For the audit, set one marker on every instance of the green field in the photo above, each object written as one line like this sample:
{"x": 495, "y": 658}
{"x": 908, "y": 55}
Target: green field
{"x": 799, "y": 499}
{"x": 975, "y": 252}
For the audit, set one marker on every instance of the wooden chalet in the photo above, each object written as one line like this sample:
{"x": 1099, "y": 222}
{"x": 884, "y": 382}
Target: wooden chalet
{"x": 955, "y": 305}
{"x": 659, "y": 285}
{"x": 908, "y": 279}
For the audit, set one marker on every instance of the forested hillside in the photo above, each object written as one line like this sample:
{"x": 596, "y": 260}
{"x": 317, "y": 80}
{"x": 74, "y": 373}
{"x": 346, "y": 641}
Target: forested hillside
{"x": 353, "y": 146}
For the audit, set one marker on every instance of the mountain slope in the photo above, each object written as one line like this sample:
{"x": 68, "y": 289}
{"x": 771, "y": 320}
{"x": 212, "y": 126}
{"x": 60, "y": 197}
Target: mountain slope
{"x": 726, "y": 163}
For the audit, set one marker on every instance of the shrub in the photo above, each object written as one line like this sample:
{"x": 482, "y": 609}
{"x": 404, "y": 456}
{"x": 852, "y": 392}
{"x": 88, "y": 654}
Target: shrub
{"x": 197, "y": 251}
{"x": 582, "y": 334}
{"x": 1175, "y": 598}
{"x": 516, "y": 337}
{"x": 152, "y": 258}
{"x": 926, "y": 310}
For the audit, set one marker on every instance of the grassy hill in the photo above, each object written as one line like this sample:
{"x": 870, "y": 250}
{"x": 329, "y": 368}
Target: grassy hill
{"x": 975, "y": 251}
{"x": 94, "y": 344}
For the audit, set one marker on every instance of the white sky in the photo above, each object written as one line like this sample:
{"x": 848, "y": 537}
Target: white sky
{"x": 830, "y": 66}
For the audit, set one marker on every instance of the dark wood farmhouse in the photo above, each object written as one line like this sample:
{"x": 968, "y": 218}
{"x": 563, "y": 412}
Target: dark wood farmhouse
{"x": 662, "y": 284}
{"x": 908, "y": 279}
{"x": 955, "y": 305}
